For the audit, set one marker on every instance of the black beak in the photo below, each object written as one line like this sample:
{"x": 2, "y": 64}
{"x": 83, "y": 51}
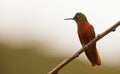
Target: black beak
{"x": 69, "y": 19}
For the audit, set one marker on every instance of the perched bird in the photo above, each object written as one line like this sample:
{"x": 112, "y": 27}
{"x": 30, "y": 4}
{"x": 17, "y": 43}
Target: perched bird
{"x": 86, "y": 33}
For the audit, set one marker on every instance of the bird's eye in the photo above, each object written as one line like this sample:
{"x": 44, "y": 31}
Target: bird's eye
{"x": 78, "y": 16}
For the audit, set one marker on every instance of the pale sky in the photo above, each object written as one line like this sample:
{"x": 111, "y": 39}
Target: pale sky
{"x": 44, "y": 20}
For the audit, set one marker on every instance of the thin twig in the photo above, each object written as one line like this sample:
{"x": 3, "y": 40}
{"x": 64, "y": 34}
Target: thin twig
{"x": 69, "y": 59}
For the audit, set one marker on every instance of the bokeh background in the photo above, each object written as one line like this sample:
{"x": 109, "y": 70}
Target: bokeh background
{"x": 34, "y": 37}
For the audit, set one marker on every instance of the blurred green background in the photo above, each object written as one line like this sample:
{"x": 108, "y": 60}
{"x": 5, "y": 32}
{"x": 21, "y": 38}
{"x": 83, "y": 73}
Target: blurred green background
{"x": 26, "y": 59}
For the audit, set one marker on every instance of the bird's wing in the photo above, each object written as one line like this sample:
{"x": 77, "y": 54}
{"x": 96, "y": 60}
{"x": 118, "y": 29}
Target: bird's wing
{"x": 90, "y": 34}
{"x": 92, "y": 31}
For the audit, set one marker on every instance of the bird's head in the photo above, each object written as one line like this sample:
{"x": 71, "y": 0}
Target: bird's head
{"x": 78, "y": 17}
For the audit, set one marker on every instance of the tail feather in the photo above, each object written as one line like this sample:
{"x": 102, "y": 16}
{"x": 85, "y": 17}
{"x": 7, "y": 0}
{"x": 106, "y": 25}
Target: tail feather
{"x": 93, "y": 56}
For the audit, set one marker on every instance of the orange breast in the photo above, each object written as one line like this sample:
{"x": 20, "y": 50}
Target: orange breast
{"x": 85, "y": 33}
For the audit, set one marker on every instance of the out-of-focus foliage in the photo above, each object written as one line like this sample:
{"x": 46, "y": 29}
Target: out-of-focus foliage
{"x": 24, "y": 60}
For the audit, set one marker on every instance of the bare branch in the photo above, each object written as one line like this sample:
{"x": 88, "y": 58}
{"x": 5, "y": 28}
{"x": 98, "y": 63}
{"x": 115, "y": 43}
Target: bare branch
{"x": 69, "y": 59}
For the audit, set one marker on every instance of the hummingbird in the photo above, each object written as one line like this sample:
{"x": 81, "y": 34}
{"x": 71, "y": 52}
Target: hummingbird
{"x": 86, "y": 33}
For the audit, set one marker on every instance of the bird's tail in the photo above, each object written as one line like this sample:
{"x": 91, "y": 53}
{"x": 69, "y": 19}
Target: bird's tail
{"x": 93, "y": 56}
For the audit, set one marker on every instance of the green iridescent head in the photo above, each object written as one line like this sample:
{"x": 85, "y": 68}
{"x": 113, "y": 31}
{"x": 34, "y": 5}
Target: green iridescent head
{"x": 80, "y": 17}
